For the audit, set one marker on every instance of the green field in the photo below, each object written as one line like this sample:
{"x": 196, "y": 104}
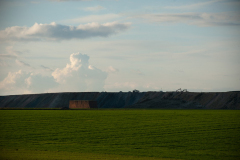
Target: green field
{"x": 119, "y": 134}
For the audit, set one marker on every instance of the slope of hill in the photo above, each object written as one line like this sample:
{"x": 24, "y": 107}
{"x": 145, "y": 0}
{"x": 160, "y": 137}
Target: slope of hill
{"x": 167, "y": 100}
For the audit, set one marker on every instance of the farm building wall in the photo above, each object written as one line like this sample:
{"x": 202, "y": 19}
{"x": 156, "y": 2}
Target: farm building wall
{"x": 82, "y": 104}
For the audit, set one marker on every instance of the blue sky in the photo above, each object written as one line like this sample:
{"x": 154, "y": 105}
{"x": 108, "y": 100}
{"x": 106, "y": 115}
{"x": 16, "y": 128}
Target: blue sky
{"x": 119, "y": 45}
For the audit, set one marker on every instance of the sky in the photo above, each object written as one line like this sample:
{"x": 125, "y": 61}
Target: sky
{"x": 51, "y": 46}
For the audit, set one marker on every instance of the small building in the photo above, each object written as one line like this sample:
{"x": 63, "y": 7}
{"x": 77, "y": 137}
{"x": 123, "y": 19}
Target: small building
{"x": 85, "y": 104}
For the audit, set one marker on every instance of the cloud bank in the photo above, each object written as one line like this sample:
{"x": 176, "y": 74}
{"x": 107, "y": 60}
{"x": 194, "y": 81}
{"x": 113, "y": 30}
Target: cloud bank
{"x": 55, "y": 31}
{"x": 199, "y": 19}
{"x": 77, "y": 76}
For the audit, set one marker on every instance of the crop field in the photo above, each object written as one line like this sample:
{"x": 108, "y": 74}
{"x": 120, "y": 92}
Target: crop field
{"x": 119, "y": 134}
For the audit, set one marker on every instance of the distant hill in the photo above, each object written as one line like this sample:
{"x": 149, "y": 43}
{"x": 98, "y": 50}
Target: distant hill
{"x": 164, "y": 100}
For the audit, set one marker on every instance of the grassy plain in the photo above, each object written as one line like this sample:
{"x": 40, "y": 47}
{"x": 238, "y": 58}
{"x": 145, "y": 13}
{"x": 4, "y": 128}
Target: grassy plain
{"x": 119, "y": 134}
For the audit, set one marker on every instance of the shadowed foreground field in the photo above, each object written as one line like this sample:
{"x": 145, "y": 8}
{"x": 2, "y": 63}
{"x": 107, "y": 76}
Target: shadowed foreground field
{"x": 119, "y": 134}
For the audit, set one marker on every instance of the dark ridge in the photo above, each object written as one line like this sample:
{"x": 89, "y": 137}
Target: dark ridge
{"x": 161, "y": 100}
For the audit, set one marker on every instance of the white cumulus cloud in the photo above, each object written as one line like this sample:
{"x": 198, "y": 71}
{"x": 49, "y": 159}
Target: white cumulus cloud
{"x": 11, "y": 79}
{"x": 79, "y": 76}
{"x": 21, "y": 82}
{"x": 55, "y": 31}
{"x": 76, "y": 61}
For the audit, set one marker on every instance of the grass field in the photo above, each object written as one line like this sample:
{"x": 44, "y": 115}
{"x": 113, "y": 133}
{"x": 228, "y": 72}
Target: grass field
{"x": 119, "y": 134}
